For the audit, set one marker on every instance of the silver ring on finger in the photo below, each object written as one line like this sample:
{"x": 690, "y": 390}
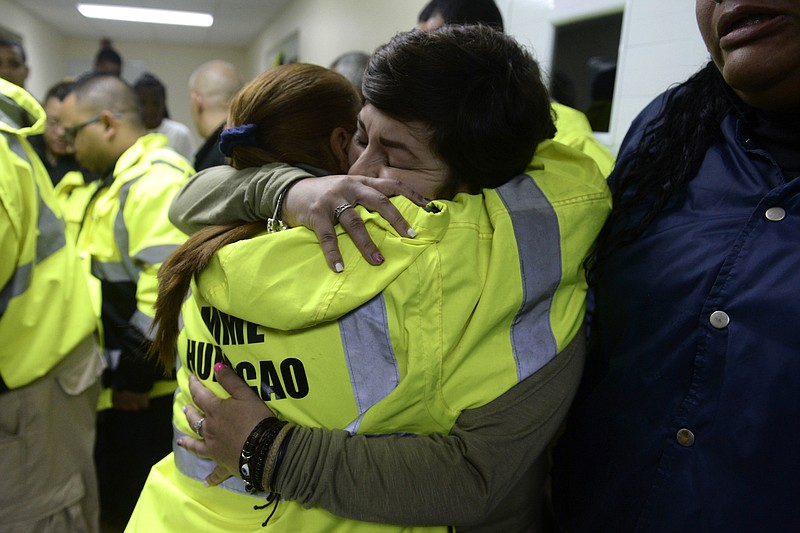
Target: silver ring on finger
{"x": 341, "y": 209}
{"x": 198, "y": 426}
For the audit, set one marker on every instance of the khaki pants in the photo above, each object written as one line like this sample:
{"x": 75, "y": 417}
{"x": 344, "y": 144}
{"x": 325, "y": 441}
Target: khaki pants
{"x": 47, "y": 432}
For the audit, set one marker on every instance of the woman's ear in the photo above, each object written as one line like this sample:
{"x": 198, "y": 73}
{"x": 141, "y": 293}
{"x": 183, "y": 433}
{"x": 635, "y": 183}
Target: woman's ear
{"x": 340, "y": 140}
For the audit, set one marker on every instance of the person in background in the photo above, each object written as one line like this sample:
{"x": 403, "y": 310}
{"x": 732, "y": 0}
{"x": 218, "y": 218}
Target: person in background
{"x": 53, "y": 151}
{"x": 687, "y": 415}
{"x": 573, "y": 128}
{"x": 123, "y": 238}
{"x": 456, "y": 477}
{"x": 13, "y": 63}
{"x": 351, "y": 65}
{"x": 254, "y": 196}
{"x": 212, "y": 85}
{"x": 599, "y": 110}
{"x": 437, "y": 13}
{"x": 108, "y": 60}
{"x": 50, "y": 363}
{"x": 153, "y": 97}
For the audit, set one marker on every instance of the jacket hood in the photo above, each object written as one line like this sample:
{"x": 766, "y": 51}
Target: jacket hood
{"x": 20, "y": 113}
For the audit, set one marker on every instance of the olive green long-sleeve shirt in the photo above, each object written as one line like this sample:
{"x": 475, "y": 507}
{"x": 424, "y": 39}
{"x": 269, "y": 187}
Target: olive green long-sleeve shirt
{"x": 488, "y": 474}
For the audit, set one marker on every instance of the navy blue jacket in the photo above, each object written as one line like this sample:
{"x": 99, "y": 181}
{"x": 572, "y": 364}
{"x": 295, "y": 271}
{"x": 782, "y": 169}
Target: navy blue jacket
{"x": 689, "y": 414}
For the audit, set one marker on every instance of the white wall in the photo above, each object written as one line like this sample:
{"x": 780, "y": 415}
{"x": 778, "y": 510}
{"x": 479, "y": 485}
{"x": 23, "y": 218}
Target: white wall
{"x": 660, "y": 46}
{"x": 51, "y": 57}
{"x": 171, "y": 64}
{"x": 533, "y": 22}
{"x": 326, "y": 29}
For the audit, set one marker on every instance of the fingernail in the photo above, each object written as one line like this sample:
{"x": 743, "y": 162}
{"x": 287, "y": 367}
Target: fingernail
{"x": 411, "y": 233}
{"x": 218, "y": 367}
{"x": 338, "y": 267}
{"x": 377, "y": 258}
{"x": 179, "y": 442}
{"x": 185, "y": 407}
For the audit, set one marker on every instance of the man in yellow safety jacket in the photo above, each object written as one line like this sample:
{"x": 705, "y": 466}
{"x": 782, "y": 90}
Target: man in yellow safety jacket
{"x": 123, "y": 237}
{"x": 49, "y": 360}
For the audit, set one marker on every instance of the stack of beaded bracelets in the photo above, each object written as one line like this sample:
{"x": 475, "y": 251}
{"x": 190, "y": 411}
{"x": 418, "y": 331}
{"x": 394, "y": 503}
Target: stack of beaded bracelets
{"x": 263, "y": 453}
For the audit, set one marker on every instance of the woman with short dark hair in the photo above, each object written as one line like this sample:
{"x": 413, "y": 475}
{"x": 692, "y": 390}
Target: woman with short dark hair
{"x": 487, "y": 294}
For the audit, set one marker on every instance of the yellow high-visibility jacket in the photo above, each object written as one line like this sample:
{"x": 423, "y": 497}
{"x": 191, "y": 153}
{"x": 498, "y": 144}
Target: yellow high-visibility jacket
{"x": 74, "y": 193}
{"x": 487, "y": 293}
{"x": 123, "y": 238}
{"x": 574, "y": 129}
{"x": 45, "y": 310}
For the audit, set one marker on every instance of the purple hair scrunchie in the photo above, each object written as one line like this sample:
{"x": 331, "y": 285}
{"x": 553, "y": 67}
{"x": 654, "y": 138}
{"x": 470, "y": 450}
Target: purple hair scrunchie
{"x": 230, "y": 138}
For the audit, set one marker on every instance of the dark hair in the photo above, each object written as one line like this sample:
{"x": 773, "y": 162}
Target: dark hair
{"x": 352, "y": 65}
{"x": 10, "y": 43}
{"x": 144, "y": 84}
{"x": 478, "y": 90}
{"x": 107, "y": 60}
{"x": 603, "y": 84}
{"x": 60, "y": 89}
{"x": 150, "y": 81}
{"x": 106, "y": 92}
{"x": 464, "y": 12}
{"x": 108, "y": 55}
{"x": 666, "y": 158}
{"x": 427, "y": 11}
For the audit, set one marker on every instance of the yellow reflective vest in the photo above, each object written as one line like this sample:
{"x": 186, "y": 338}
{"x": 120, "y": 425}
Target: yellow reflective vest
{"x": 74, "y": 195}
{"x": 574, "y": 129}
{"x": 487, "y": 293}
{"x": 45, "y": 310}
{"x": 123, "y": 238}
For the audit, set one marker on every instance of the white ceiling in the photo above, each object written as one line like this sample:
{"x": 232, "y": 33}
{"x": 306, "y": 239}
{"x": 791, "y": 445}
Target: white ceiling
{"x": 236, "y": 22}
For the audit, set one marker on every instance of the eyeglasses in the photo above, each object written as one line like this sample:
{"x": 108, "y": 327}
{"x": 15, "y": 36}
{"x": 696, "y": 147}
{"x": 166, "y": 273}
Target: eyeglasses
{"x": 71, "y": 132}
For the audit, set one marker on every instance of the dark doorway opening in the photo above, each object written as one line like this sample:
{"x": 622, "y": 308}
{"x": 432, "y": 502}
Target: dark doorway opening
{"x": 584, "y": 66}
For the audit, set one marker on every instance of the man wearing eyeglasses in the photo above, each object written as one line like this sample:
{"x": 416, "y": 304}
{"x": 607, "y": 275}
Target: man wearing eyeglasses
{"x": 124, "y": 236}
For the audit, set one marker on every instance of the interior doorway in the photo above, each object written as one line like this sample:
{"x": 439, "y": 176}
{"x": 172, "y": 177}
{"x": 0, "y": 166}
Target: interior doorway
{"x": 584, "y": 66}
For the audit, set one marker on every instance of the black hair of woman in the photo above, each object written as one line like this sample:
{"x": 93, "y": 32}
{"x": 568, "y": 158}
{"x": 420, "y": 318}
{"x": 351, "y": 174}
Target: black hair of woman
{"x": 671, "y": 149}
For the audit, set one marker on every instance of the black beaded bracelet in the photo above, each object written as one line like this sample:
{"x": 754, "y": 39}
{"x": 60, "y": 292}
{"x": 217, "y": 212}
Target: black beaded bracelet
{"x": 249, "y": 450}
{"x": 261, "y": 451}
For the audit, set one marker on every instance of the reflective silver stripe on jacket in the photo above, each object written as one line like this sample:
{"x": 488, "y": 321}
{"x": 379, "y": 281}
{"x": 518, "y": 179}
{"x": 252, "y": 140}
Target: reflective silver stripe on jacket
{"x": 118, "y": 273}
{"x": 371, "y": 361}
{"x": 539, "y": 243}
{"x": 18, "y": 284}
{"x": 374, "y": 372}
{"x": 111, "y": 272}
{"x": 151, "y": 256}
{"x": 143, "y": 323}
{"x": 51, "y": 237}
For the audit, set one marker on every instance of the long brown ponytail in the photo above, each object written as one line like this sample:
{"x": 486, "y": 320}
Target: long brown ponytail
{"x": 295, "y": 108}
